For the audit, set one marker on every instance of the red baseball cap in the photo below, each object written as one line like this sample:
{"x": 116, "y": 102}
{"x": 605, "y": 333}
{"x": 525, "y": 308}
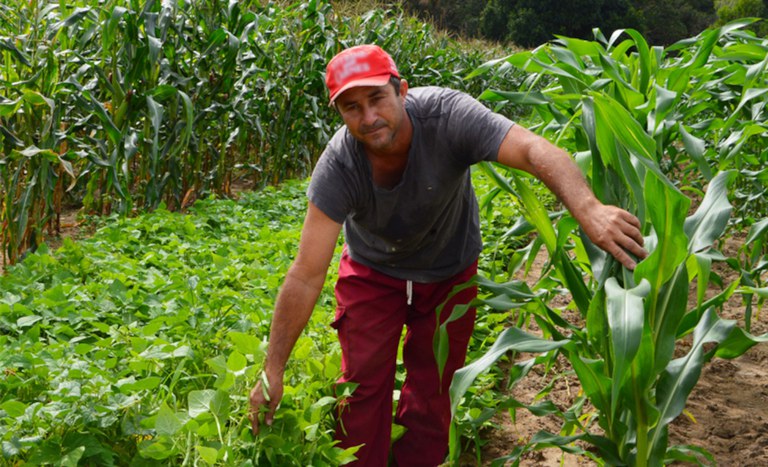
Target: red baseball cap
{"x": 362, "y": 65}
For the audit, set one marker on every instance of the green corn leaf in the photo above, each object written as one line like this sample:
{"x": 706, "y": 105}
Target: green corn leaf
{"x": 511, "y": 339}
{"x": 628, "y": 132}
{"x": 573, "y": 280}
{"x": 36, "y": 98}
{"x": 646, "y": 65}
{"x": 72, "y": 19}
{"x": 670, "y": 208}
{"x": 682, "y": 374}
{"x": 7, "y": 44}
{"x": 593, "y": 379}
{"x": 710, "y": 220}
{"x": 749, "y": 94}
{"x": 670, "y": 311}
{"x": 8, "y": 108}
{"x": 608, "y": 449}
{"x": 521, "y": 98}
{"x": 757, "y": 231}
{"x": 625, "y": 318}
{"x": 486, "y": 67}
{"x": 665, "y": 102}
{"x": 739, "y": 341}
{"x": 577, "y": 48}
{"x": 695, "y": 148}
{"x": 502, "y": 182}
{"x": 536, "y": 213}
{"x": 109, "y": 126}
{"x": 109, "y": 33}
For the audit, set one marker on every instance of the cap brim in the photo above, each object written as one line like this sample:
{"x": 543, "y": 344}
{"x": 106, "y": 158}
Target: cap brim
{"x": 379, "y": 80}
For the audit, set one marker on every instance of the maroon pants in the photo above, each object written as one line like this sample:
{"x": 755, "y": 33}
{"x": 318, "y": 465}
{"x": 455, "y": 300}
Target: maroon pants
{"x": 372, "y": 310}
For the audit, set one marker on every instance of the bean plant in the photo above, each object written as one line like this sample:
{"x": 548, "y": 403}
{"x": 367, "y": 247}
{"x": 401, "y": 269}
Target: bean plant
{"x": 138, "y": 345}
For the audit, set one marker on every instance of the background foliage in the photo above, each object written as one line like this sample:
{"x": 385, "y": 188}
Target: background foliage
{"x": 120, "y": 106}
{"x": 529, "y": 23}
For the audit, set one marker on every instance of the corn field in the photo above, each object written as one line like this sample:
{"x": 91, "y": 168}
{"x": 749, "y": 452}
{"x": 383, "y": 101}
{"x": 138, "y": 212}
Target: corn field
{"x": 654, "y": 129}
{"x": 124, "y": 106}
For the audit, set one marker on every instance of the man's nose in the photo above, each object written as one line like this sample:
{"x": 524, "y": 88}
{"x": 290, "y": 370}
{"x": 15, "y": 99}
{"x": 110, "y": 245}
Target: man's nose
{"x": 369, "y": 115}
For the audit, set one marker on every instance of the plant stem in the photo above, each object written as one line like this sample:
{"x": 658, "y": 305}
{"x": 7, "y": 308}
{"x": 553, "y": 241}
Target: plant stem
{"x": 642, "y": 426}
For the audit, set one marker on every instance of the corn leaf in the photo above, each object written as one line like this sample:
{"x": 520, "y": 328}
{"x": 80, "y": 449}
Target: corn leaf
{"x": 710, "y": 220}
{"x": 682, "y": 374}
{"x": 625, "y": 318}
{"x": 667, "y": 216}
{"x": 511, "y": 339}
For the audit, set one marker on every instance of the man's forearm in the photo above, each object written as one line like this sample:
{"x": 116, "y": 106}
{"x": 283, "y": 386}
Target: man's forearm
{"x": 293, "y": 309}
{"x": 555, "y": 168}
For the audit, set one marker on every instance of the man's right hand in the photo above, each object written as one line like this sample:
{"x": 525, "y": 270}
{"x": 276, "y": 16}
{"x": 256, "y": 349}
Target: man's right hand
{"x": 265, "y": 397}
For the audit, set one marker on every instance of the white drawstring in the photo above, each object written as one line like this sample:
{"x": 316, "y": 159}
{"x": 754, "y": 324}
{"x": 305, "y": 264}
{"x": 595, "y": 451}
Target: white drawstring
{"x": 409, "y": 291}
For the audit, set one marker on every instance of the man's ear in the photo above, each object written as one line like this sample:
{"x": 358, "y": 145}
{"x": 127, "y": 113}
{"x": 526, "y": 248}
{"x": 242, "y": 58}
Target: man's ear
{"x": 403, "y": 88}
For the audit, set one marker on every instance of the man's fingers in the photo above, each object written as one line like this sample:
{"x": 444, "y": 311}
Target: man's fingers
{"x": 257, "y": 403}
{"x": 262, "y": 407}
{"x": 622, "y": 257}
{"x": 269, "y": 416}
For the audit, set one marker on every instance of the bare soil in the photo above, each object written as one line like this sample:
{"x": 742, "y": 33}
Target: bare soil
{"x": 727, "y": 412}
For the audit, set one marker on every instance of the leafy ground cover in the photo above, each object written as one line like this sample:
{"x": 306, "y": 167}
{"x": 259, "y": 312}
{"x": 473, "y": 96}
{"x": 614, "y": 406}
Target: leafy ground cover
{"x": 137, "y": 346}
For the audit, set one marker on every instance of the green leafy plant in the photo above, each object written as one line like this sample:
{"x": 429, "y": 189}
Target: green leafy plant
{"x": 141, "y": 343}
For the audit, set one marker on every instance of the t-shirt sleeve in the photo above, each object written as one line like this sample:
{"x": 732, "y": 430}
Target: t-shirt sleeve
{"x": 331, "y": 188}
{"x": 475, "y": 130}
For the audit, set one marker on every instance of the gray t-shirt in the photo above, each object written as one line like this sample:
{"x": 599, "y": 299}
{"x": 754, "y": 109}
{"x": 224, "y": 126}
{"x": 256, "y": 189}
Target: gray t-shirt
{"x": 427, "y": 227}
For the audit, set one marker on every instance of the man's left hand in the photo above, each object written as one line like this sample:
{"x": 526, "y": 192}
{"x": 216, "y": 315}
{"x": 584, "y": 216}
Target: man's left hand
{"x": 617, "y": 232}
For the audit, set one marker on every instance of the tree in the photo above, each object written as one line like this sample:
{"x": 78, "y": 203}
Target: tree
{"x": 532, "y": 22}
{"x": 668, "y": 21}
{"x": 729, "y": 10}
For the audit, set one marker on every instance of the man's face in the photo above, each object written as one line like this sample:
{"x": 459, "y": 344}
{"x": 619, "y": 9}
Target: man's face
{"x": 374, "y": 115}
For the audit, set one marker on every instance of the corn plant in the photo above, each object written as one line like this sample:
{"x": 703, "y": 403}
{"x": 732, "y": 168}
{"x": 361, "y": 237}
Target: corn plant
{"x": 130, "y": 105}
{"x": 646, "y": 125}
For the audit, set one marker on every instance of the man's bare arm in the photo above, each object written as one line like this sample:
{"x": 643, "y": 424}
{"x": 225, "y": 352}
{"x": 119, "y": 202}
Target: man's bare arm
{"x": 295, "y": 302}
{"x": 609, "y": 227}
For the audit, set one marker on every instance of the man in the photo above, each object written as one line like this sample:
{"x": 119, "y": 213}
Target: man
{"x": 396, "y": 177}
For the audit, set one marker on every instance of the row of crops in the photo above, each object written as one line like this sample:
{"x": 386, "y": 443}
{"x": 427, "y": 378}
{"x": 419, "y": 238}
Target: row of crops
{"x": 138, "y": 346}
{"x": 118, "y": 106}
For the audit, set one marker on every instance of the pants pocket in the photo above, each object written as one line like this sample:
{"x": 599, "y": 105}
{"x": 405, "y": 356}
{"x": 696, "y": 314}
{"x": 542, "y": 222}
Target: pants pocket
{"x": 340, "y": 312}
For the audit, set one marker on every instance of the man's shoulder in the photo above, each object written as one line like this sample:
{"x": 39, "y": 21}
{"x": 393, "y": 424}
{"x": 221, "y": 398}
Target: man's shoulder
{"x": 431, "y": 101}
{"x": 420, "y": 93}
